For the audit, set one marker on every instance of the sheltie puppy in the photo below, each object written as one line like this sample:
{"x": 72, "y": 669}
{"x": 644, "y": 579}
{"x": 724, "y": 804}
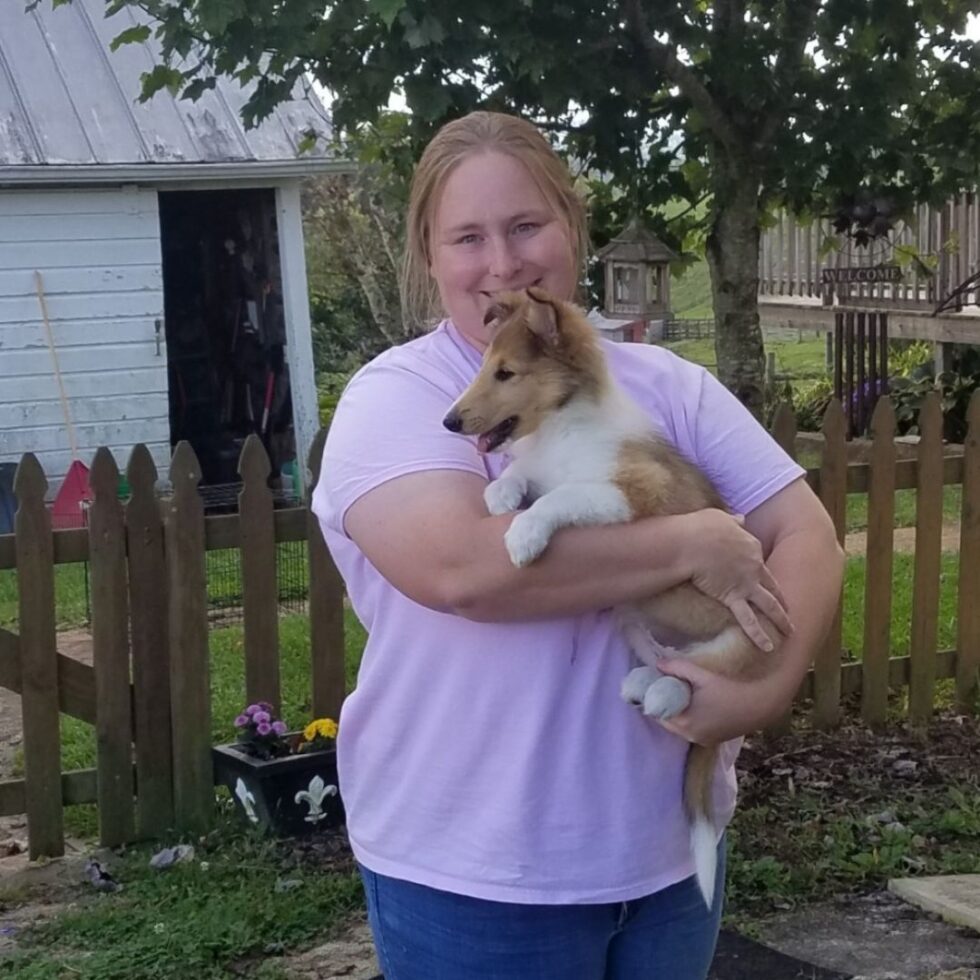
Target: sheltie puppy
{"x": 586, "y": 454}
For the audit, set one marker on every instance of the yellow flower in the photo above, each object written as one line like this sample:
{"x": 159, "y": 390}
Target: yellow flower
{"x": 322, "y": 727}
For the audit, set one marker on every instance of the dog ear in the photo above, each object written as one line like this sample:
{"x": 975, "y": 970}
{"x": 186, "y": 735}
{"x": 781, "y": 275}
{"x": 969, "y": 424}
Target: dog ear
{"x": 542, "y": 316}
{"x": 498, "y": 311}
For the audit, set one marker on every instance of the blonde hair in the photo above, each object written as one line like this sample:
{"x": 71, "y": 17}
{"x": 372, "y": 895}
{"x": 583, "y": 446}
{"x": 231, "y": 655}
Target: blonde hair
{"x": 475, "y": 133}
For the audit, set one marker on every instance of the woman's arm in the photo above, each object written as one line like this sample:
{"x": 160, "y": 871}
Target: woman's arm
{"x": 803, "y": 553}
{"x": 430, "y": 535}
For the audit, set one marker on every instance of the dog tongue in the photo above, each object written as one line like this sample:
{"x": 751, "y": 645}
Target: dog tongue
{"x": 483, "y": 443}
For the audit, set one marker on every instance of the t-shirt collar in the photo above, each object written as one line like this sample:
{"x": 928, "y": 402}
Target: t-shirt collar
{"x": 472, "y": 355}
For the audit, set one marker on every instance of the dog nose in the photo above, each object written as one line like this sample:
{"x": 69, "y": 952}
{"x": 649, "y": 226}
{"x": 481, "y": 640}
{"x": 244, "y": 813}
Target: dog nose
{"x": 453, "y": 421}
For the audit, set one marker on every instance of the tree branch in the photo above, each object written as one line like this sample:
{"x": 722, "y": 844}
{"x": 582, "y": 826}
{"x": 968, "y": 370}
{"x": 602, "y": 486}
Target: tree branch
{"x": 798, "y": 21}
{"x": 664, "y": 59}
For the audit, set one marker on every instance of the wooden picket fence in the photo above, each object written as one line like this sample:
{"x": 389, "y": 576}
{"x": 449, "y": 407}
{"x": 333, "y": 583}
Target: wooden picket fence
{"x": 148, "y": 691}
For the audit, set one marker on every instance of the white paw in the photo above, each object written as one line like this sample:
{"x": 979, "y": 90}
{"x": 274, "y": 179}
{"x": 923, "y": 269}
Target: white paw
{"x": 666, "y": 698}
{"x": 526, "y": 538}
{"x": 636, "y": 682}
{"x": 503, "y": 496}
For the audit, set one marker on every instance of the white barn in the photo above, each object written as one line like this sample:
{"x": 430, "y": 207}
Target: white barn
{"x": 168, "y": 244}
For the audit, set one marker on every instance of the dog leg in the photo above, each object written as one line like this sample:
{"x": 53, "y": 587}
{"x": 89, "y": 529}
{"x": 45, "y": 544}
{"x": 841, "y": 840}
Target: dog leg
{"x": 636, "y": 683}
{"x": 574, "y": 504}
{"x": 666, "y": 698}
{"x": 504, "y": 495}
{"x": 507, "y": 492}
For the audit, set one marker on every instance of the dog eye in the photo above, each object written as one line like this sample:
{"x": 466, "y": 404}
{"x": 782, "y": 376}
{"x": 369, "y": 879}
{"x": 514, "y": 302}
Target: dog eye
{"x": 502, "y": 374}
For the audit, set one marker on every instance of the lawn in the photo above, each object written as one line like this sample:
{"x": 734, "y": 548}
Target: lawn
{"x": 246, "y": 900}
{"x": 223, "y": 570}
{"x": 232, "y": 911}
{"x": 798, "y": 355}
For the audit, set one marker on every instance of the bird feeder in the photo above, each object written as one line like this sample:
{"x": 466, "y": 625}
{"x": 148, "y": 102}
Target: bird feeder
{"x": 637, "y": 275}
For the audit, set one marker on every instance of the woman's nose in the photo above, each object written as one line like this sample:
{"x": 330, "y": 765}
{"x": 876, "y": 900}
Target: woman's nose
{"x": 504, "y": 260}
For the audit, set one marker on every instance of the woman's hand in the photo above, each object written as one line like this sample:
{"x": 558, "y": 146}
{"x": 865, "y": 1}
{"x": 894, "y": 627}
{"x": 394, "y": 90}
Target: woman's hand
{"x": 722, "y": 708}
{"x": 726, "y": 563}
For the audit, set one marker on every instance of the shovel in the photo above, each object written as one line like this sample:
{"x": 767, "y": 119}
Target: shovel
{"x": 75, "y": 490}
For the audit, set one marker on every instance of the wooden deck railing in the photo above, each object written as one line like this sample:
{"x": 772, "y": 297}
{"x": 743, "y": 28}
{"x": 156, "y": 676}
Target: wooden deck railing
{"x": 794, "y": 256}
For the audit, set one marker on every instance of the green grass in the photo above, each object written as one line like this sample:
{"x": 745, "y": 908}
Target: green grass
{"x": 78, "y": 747}
{"x": 905, "y": 500}
{"x": 207, "y": 920}
{"x": 222, "y": 567}
{"x": 197, "y": 921}
{"x": 70, "y": 589}
{"x": 690, "y": 293}
{"x": 852, "y": 629}
{"x": 228, "y": 684}
{"x": 795, "y": 355}
{"x": 795, "y": 849}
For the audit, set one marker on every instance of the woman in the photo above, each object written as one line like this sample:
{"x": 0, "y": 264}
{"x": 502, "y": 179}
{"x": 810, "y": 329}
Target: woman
{"x": 512, "y": 816}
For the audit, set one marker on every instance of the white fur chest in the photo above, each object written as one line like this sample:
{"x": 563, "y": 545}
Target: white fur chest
{"x": 580, "y": 444}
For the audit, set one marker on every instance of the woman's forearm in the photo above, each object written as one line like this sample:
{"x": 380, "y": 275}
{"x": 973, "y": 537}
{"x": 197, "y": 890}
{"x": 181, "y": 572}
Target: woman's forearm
{"x": 582, "y": 569}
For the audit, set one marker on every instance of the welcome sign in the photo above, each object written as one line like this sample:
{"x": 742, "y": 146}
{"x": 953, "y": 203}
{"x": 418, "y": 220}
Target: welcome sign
{"x": 878, "y": 273}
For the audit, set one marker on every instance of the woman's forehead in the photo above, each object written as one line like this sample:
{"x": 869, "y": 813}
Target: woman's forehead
{"x": 487, "y": 187}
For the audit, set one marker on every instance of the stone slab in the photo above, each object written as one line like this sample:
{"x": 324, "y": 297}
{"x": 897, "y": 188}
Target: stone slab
{"x": 955, "y": 898}
{"x": 875, "y": 937}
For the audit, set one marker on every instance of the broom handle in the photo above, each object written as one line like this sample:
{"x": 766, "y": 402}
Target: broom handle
{"x": 39, "y": 285}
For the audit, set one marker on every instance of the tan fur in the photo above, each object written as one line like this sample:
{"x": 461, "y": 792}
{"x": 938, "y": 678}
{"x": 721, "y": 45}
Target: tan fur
{"x": 554, "y": 352}
{"x": 544, "y": 378}
{"x": 702, "y": 760}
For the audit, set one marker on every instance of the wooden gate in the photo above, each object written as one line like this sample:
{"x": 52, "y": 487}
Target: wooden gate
{"x": 148, "y": 692}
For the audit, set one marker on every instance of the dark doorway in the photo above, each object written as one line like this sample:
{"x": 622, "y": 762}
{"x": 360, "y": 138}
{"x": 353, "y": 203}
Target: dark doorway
{"x": 225, "y": 328}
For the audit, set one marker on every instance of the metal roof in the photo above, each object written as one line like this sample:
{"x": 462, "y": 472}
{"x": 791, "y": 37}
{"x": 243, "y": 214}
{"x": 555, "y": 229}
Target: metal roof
{"x": 70, "y": 109}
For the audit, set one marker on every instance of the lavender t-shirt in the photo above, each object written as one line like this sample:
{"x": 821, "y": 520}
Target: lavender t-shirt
{"x": 498, "y": 760}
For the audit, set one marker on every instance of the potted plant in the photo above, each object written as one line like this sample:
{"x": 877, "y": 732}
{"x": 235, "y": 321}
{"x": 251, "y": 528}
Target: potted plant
{"x": 281, "y": 780}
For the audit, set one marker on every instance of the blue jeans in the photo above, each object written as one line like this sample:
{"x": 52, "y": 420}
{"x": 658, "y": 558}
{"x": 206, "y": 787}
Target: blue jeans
{"x": 422, "y": 933}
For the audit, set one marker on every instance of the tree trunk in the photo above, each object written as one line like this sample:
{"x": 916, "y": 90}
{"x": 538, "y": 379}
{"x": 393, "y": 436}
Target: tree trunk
{"x": 733, "y": 259}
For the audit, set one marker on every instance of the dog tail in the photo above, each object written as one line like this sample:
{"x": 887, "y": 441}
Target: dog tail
{"x": 698, "y": 782}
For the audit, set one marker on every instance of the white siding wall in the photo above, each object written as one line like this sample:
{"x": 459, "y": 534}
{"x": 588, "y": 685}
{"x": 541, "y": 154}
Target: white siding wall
{"x": 98, "y": 252}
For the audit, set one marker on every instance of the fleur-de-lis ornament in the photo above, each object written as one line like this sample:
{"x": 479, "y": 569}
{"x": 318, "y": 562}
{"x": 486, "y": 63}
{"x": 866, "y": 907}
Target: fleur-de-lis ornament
{"x": 247, "y": 799}
{"x": 314, "y": 796}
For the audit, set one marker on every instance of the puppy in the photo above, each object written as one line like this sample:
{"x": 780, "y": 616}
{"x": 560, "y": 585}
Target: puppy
{"x": 586, "y": 454}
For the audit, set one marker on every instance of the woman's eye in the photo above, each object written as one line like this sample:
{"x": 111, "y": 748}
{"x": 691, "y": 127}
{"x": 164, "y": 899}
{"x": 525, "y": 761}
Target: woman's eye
{"x": 468, "y": 240}
{"x": 502, "y": 374}
{"x": 525, "y": 227}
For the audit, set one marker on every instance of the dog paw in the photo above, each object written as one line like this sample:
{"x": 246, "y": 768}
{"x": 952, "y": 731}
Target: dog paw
{"x": 526, "y": 538}
{"x": 666, "y": 698}
{"x": 635, "y": 684}
{"x": 503, "y": 496}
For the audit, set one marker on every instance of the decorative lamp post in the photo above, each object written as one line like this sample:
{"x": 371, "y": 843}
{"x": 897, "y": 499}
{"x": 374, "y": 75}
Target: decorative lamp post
{"x": 637, "y": 273}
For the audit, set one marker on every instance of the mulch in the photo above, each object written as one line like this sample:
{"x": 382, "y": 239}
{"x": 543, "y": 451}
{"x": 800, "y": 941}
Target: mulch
{"x": 853, "y": 762}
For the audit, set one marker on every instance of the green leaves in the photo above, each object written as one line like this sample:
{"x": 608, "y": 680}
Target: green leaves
{"x": 387, "y": 10}
{"x": 132, "y": 35}
{"x": 161, "y": 77}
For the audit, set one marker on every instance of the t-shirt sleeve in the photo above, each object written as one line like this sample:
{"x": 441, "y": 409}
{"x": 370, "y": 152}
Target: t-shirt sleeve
{"x": 745, "y": 463}
{"x": 388, "y": 423}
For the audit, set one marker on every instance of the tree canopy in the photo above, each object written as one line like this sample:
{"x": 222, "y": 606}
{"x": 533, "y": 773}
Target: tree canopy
{"x": 747, "y": 105}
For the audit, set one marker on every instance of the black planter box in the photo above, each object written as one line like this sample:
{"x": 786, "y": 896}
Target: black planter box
{"x": 290, "y": 796}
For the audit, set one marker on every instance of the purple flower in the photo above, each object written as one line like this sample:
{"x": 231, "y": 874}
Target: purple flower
{"x": 279, "y": 727}
{"x": 264, "y": 728}
{"x": 261, "y": 717}
{"x": 251, "y": 709}
{"x": 242, "y": 721}
{"x": 265, "y": 706}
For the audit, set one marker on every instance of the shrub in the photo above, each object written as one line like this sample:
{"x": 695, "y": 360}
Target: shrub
{"x": 810, "y": 401}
